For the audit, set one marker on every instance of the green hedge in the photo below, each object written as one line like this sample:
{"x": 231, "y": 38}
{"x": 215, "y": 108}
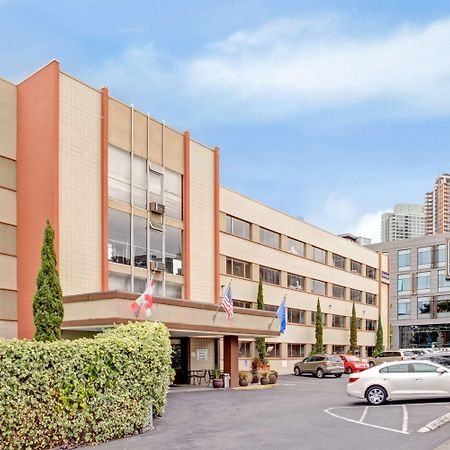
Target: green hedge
{"x": 82, "y": 391}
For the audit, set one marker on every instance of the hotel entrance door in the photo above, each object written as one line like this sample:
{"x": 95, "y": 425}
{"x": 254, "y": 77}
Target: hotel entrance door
{"x": 180, "y": 351}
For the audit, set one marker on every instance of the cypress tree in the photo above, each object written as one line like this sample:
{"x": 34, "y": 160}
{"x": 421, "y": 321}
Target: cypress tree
{"x": 379, "y": 346}
{"x": 353, "y": 331}
{"x": 318, "y": 346}
{"x": 48, "y": 310}
{"x": 261, "y": 342}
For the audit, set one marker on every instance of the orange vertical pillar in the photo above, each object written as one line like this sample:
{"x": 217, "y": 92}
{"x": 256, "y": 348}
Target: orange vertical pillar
{"x": 231, "y": 359}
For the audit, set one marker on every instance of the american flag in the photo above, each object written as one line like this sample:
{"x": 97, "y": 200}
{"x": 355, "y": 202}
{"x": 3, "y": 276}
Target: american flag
{"x": 227, "y": 303}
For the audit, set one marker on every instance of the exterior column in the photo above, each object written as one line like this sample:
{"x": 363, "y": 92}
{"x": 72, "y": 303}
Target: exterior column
{"x": 231, "y": 359}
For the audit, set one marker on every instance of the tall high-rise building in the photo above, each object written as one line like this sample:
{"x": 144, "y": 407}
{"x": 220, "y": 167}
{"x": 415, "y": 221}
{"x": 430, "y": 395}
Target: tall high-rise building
{"x": 437, "y": 206}
{"x": 407, "y": 221}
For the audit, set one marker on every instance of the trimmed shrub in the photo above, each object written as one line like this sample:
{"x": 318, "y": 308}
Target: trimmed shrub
{"x": 85, "y": 390}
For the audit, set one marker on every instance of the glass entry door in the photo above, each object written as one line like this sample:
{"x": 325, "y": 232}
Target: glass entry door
{"x": 180, "y": 349}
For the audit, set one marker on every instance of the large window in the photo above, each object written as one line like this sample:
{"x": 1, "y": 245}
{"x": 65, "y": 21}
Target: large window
{"x": 173, "y": 290}
{"x": 269, "y": 238}
{"x": 295, "y": 316}
{"x": 139, "y": 284}
{"x": 424, "y": 257}
{"x": 355, "y": 295}
{"x": 338, "y": 349}
{"x": 296, "y": 350}
{"x": 139, "y": 182}
{"x": 338, "y": 321}
{"x": 242, "y": 304}
{"x": 371, "y": 272}
{"x": 444, "y": 284}
{"x": 338, "y": 291}
{"x": 271, "y": 276}
{"x": 319, "y": 287}
{"x": 371, "y": 325}
{"x": 155, "y": 245}
{"x": 338, "y": 261}
{"x": 423, "y": 307}
{"x": 404, "y": 259}
{"x": 119, "y": 282}
{"x": 356, "y": 267}
{"x": 140, "y": 241}
{"x": 155, "y": 186}
{"x": 119, "y": 237}
{"x": 404, "y": 284}
{"x": 296, "y": 281}
{"x": 238, "y": 227}
{"x": 319, "y": 255}
{"x": 443, "y": 306}
{"x": 403, "y": 308}
{"x": 119, "y": 174}
{"x": 273, "y": 350}
{"x": 324, "y": 318}
{"x": 423, "y": 282}
{"x": 371, "y": 299}
{"x": 238, "y": 268}
{"x": 296, "y": 247}
{"x": 245, "y": 349}
{"x": 174, "y": 252}
{"x": 173, "y": 194}
{"x": 441, "y": 255}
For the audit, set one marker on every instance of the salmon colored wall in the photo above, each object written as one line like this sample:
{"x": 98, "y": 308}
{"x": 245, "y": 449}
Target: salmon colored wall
{"x": 37, "y": 181}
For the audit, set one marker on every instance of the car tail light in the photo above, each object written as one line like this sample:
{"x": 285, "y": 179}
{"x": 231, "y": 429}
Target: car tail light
{"x": 353, "y": 379}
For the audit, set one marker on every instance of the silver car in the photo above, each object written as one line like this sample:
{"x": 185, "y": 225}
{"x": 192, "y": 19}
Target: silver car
{"x": 320, "y": 365}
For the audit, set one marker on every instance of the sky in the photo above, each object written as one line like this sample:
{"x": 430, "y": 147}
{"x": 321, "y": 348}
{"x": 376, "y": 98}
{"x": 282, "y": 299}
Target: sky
{"x": 332, "y": 111}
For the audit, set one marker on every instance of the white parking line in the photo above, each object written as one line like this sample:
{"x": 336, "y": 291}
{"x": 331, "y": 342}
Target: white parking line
{"x": 405, "y": 419}
{"x": 363, "y": 415}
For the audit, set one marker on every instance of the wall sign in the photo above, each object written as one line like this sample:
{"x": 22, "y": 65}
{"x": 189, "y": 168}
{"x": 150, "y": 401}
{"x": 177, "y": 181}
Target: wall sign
{"x": 385, "y": 275}
{"x": 202, "y": 354}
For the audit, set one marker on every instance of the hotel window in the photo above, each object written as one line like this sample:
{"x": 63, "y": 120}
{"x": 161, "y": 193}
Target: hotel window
{"x": 444, "y": 284}
{"x": 404, "y": 284}
{"x": 423, "y": 282}
{"x": 338, "y": 349}
{"x": 443, "y": 306}
{"x": 271, "y": 308}
{"x": 119, "y": 174}
{"x": 139, "y": 182}
{"x": 269, "y": 238}
{"x": 155, "y": 186}
{"x": 296, "y": 282}
{"x": 319, "y": 255}
{"x": 371, "y": 325}
{"x": 296, "y": 247}
{"x": 371, "y": 272}
{"x": 338, "y": 321}
{"x": 174, "y": 252}
{"x": 242, "y": 304}
{"x": 338, "y": 261}
{"x": 155, "y": 245}
{"x": 324, "y": 318}
{"x": 371, "y": 299}
{"x": 404, "y": 259}
{"x": 319, "y": 287}
{"x": 355, "y": 295}
{"x": 173, "y": 194}
{"x": 273, "y": 350}
{"x": 119, "y": 282}
{"x": 173, "y": 290}
{"x": 140, "y": 241}
{"x": 359, "y": 324}
{"x": 238, "y": 227}
{"x": 338, "y": 291}
{"x": 295, "y": 316}
{"x": 424, "y": 257}
{"x": 119, "y": 237}
{"x": 423, "y": 308}
{"x": 296, "y": 350}
{"x": 441, "y": 255}
{"x": 403, "y": 308}
{"x": 245, "y": 349}
{"x": 271, "y": 276}
{"x": 238, "y": 268}
{"x": 139, "y": 285}
{"x": 355, "y": 267}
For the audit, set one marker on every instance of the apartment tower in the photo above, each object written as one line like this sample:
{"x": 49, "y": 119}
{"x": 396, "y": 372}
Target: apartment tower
{"x": 407, "y": 221}
{"x": 437, "y": 206}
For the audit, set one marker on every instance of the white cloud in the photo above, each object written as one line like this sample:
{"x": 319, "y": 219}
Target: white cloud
{"x": 368, "y": 225}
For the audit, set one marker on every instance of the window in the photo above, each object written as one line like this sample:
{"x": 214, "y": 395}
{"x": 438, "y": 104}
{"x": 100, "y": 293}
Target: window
{"x": 423, "y": 308}
{"x": 119, "y": 282}
{"x": 296, "y": 247}
{"x": 423, "y": 367}
{"x": 338, "y": 321}
{"x": 338, "y": 261}
{"x": 173, "y": 290}
{"x": 245, "y": 349}
{"x": 174, "y": 255}
{"x": 173, "y": 194}
{"x": 313, "y": 318}
{"x": 119, "y": 174}
{"x": 155, "y": 245}
{"x": 359, "y": 324}
{"x": 444, "y": 284}
{"x": 371, "y": 299}
{"x": 296, "y": 350}
{"x": 423, "y": 282}
{"x": 338, "y": 349}
{"x": 296, "y": 281}
{"x": 441, "y": 255}
{"x": 242, "y": 304}
{"x": 371, "y": 272}
{"x": 140, "y": 241}
{"x": 139, "y": 285}
{"x": 319, "y": 255}
{"x": 443, "y": 306}
{"x": 424, "y": 257}
{"x": 271, "y": 308}
{"x": 269, "y": 238}
{"x": 238, "y": 227}
{"x": 403, "y": 308}
{"x": 271, "y": 276}
{"x": 404, "y": 284}
{"x": 238, "y": 268}
{"x": 355, "y": 295}
{"x": 370, "y": 325}
{"x": 338, "y": 291}
{"x": 273, "y": 350}
{"x": 355, "y": 267}
{"x": 139, "y": 182}
{"x": 396, "y": 368}
{"x": 295, "y": 316}
{"x": 119, "y": 237}
{"x": 155, "y": 186}
{"x": 404, "y": 259}
{"x": 319, "y": 287}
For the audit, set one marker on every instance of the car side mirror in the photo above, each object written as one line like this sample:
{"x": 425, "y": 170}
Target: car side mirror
{"x": 440, "y": 370}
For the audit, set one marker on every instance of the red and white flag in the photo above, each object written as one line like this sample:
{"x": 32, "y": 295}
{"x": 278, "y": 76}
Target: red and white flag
{"x": 145, "y": 299}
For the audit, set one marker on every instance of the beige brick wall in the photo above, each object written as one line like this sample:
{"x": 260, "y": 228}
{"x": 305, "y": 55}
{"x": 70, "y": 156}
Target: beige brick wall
{"x": 201, "y": 343}
{"x": 7, "y": 119}
{"x": 8, "y": 329}
{"x": 7, "y": 239}
{"x": 80, "y": 187}
{"x": 8, "y": 208}
{"x": 8, "y": 272}
{"x": 7, "y": 173}
{"x": 8, "y": 305}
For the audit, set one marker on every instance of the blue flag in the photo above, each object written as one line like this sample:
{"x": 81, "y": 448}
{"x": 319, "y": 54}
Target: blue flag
{"x": 281, "y": 314}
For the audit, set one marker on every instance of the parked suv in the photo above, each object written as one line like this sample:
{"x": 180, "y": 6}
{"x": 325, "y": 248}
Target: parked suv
{"x": 388, "y": 356}
{"x": 320, "y": 365}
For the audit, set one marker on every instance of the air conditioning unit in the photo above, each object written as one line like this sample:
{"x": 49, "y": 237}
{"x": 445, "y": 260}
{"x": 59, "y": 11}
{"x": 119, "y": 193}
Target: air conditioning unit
{"x": 157, "y": 208}
{"x": 156, "y": 266}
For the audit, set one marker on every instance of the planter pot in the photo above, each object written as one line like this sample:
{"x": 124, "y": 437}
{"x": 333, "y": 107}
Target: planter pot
{"x": 265, "y": 367}
{"x": 243, "y": 382}
{"x": 255, "y": 377}
{"x": 264, "y": 380}
{"x": 272, "y": 379}
{"x": 217, "y": 384}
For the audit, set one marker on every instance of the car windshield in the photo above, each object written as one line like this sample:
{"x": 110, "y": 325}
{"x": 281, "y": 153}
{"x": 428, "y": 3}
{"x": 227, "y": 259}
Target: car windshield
{"x": 352, "y": 358}
{"x": 334, "y": 358}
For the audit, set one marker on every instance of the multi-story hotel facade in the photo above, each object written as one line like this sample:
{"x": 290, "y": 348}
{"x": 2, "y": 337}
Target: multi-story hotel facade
{"x": 129, "y": 198}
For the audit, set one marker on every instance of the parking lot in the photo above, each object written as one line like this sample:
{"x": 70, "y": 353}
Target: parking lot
{"x": 303, "y": 412}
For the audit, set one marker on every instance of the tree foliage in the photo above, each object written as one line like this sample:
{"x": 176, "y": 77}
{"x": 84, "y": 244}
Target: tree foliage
{"x": 261, "y": 342}
{"x": 318, "y": 346}
{"x": 379, "y": 346}
{"x": 353, "y": 331}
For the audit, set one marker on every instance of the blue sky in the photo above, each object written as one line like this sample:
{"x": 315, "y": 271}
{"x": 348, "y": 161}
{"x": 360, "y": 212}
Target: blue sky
{"x": 331, "y": 111}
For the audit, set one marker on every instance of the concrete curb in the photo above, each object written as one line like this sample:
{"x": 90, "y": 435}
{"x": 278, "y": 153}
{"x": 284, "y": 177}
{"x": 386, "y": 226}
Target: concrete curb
{"x": 257, "y": 387}
{"x": 435, "y": 424}
{"x": 444, "y": 446}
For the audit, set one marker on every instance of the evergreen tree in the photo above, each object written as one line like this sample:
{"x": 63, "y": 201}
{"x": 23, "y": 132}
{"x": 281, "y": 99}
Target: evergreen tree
{"x": 391, "y": 336}
{"x": 353, "y": 331}
{"x": 261, "y": 342}
{"x": 260, "y": 297}
{"x": 318, "y": 346}
{"x": 440, "y": 340}
{"x": 48, "y": 310}
{"x": 379, "y": 346}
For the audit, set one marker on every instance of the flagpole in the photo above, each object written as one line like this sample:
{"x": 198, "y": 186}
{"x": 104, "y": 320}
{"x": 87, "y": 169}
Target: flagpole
{"x": 218, "y": 306}
{"x": 275, "y": 315}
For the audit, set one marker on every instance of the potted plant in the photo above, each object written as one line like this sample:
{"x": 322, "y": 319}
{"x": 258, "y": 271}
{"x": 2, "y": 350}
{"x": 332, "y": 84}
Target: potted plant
{"x": 255, "y": 367}
{"x": 264, "y": 377}
{"x": 273, "y": 376}
{"x": 244, "y": 378}
{"x": 217, "y": 380}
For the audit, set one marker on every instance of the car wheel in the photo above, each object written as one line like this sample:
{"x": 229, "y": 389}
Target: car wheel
{"x": 349, "y": 371}
{"x": 338, "y": 375}
{"x": 376, "y": 395}
{"x": 319, "y": 373}
{"x": 297, "y": 371}
{"x": 371, "y": 364}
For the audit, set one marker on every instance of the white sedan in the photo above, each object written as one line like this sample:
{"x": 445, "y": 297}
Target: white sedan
{"x": 400, "y": 380}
